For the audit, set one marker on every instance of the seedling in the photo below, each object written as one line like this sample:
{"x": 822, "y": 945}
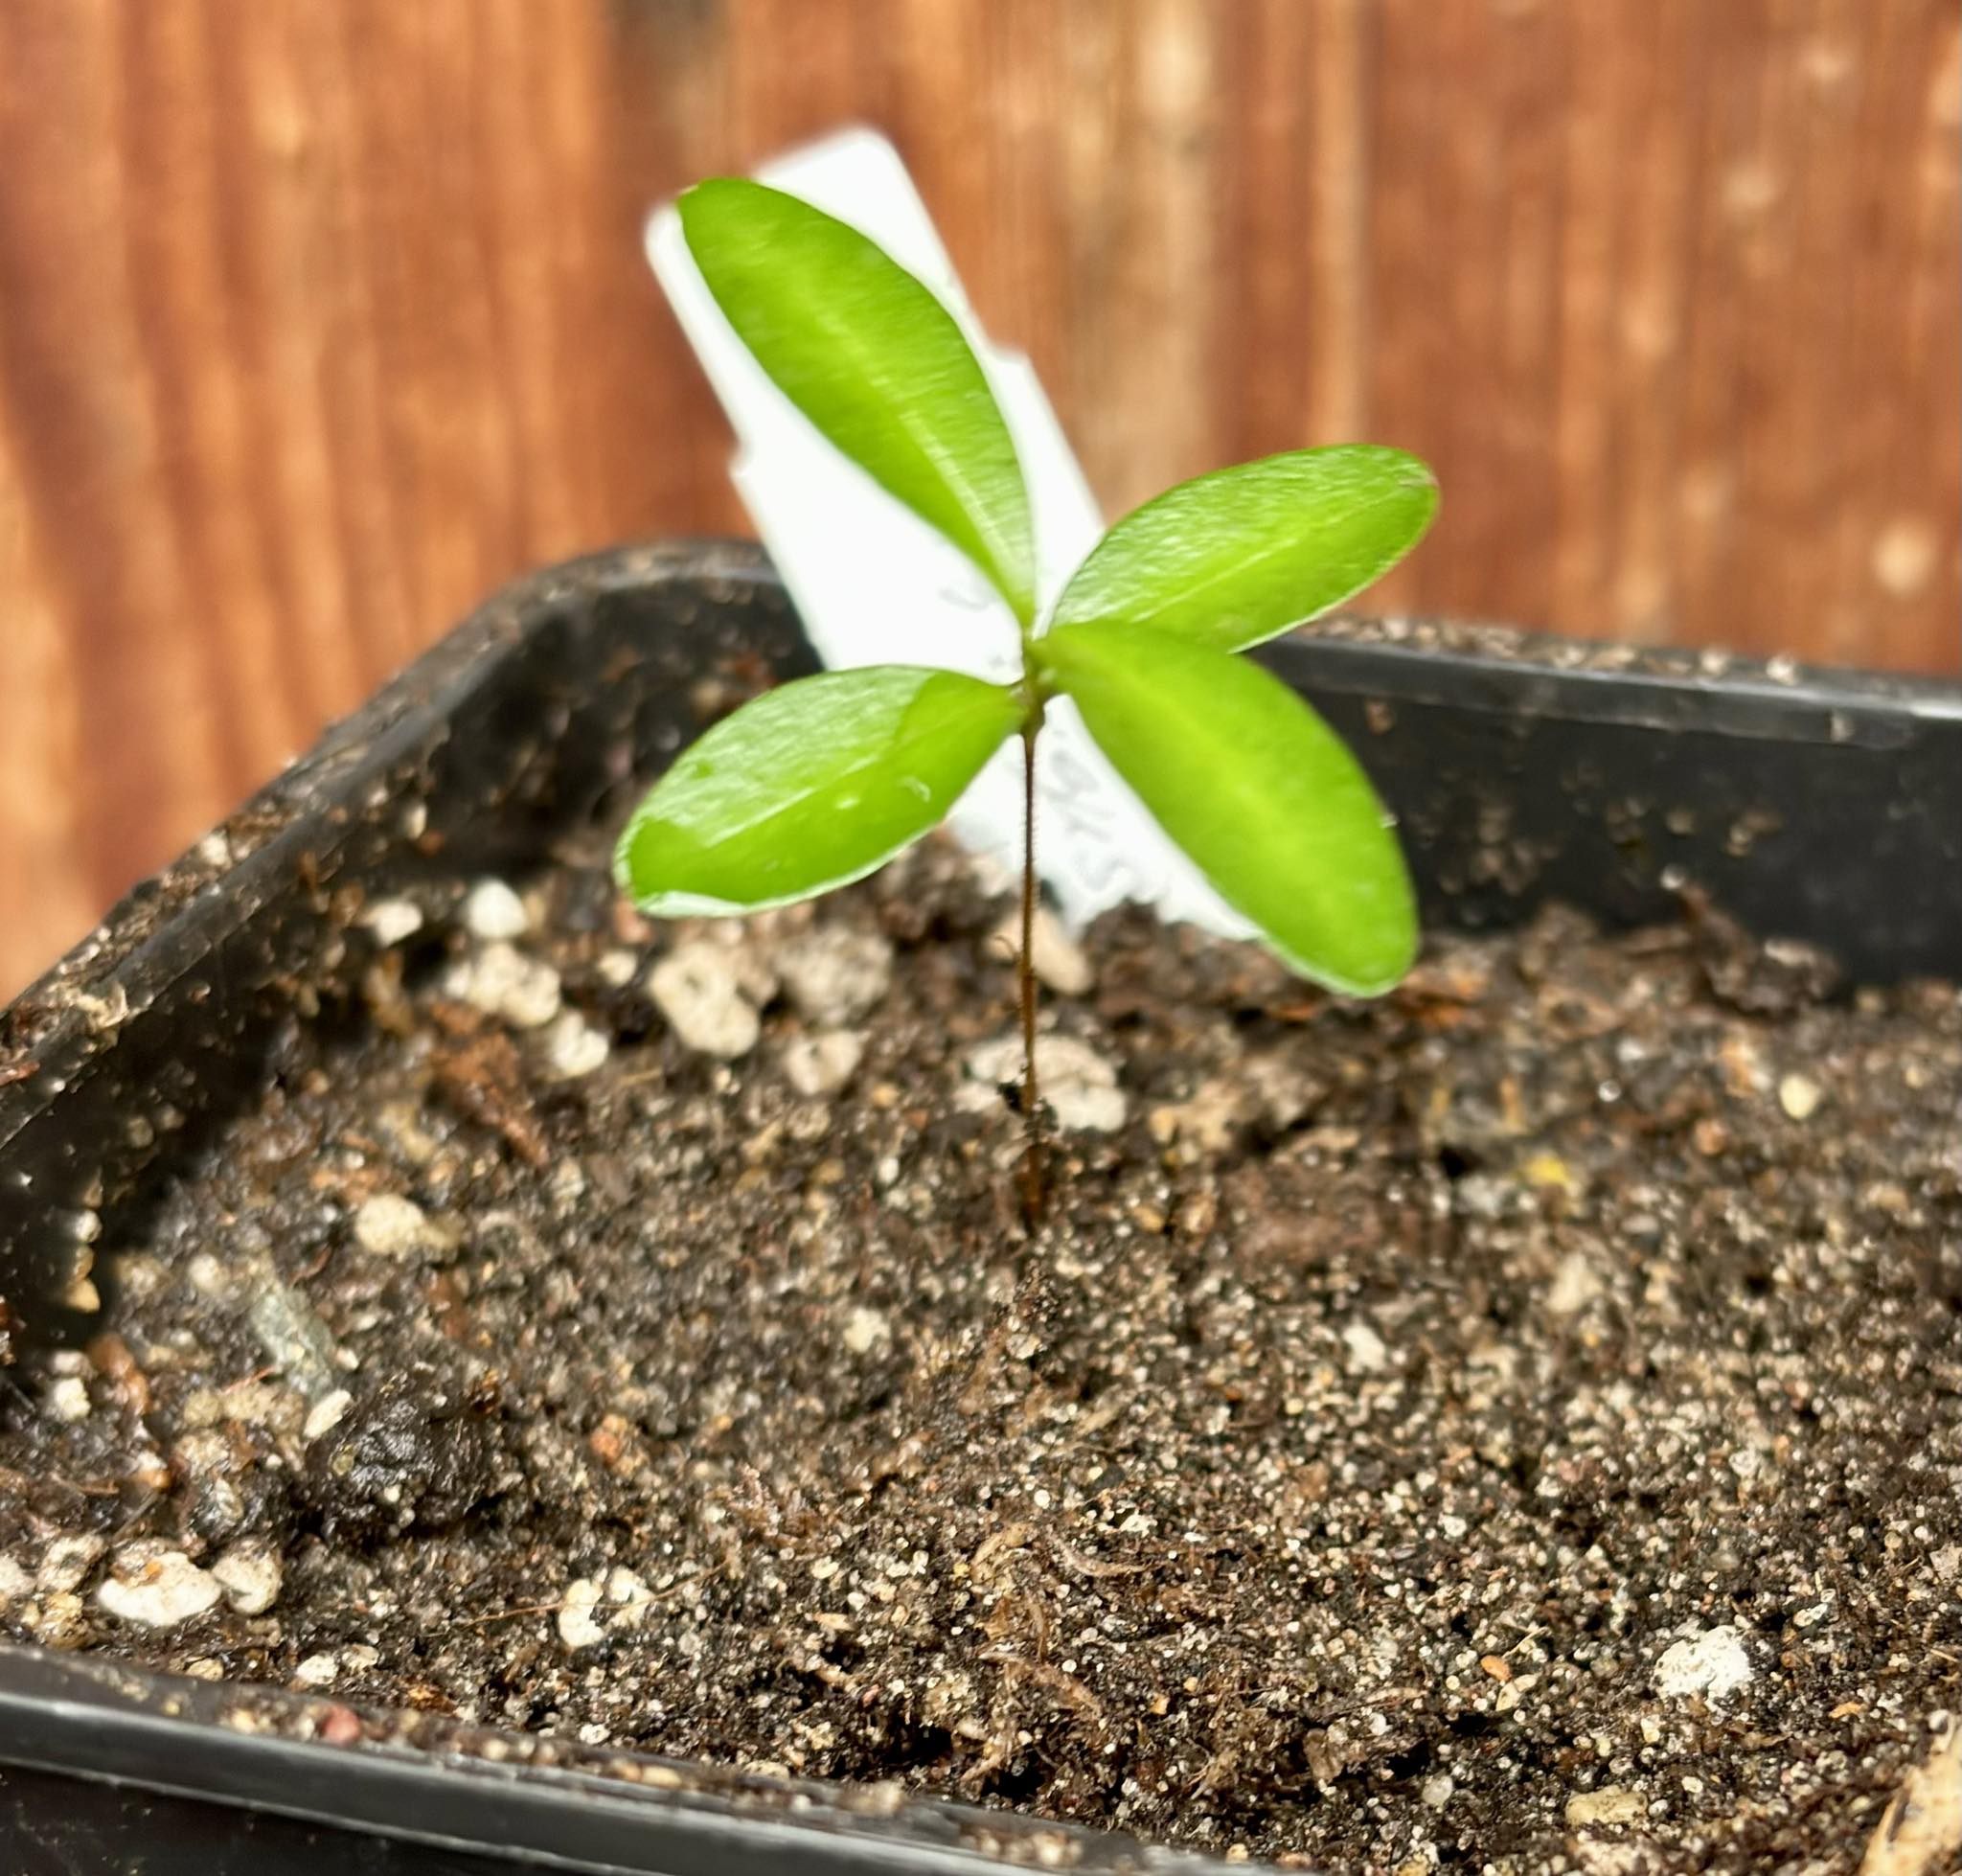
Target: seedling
{"x": 824, "y": 780}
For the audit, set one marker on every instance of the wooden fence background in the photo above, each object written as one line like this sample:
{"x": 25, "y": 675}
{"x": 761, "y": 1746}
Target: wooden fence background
{"x": 318, "y": 318}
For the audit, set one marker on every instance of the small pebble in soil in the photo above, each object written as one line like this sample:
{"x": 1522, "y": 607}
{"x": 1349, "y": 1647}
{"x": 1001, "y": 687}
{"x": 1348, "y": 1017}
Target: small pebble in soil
{"x": 1368, "y": 1354}
{"x": 502, "y": 981}
{"x": 574, "y": 1047}
{"x": 593, "y": 1608}
{"x": 578, "y": 1627}
{"x": 296, "y": 1342}
{"x": 155, "y": 1586}
{"x": 58, "y": 1620}
{"x": 1574, "y": 1286}
{"x": 390, "y": 1225}
{"x": 250, "y": 1573}
{"x": 617, "y": 967}
{"x": 212, "y": 1277}
{"x": 1203, "y": 1125}
{"x": 393, "y": 921}
{"x": 866, "y": 1330}
{"x": 320, "y": 1670}
{"x": 68, "y": 1562}
{"x": 1611, "y": 1804}
{"x": 835, "y": 975}
{"x": 696, "y": 987}
{"x": 823, "y": 1063}
{"x": 1799, "y": 1095}
{"x": 207, "y": 1462}
{"x": 340, "y": 1725}
{"x": 493, "y": 911}
{"x": 1061, "y": 963}
{"x": 1076, "y": 1083}
{"x": 325, "y": 1414}
{"x": 1712, "y": 1662}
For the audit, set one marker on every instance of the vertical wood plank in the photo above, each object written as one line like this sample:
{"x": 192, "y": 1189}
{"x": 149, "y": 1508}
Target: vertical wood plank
{"x": 1466, "y": 183}
{"x": 1897, "y": 516}
{"x": 1292, "y": 206}
{"x": 1141, "y": 210}
{"x": 85, "y": 452}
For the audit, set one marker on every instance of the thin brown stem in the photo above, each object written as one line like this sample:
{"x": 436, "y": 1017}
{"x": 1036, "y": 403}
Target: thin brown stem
{"x": 1033, "y": 1194}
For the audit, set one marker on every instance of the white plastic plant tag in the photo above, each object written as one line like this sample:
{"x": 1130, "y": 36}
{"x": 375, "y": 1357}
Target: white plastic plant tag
{"x": 876, "y": 584}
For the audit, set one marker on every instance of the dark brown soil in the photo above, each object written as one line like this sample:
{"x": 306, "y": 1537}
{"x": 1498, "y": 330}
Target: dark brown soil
{"x": 1516, "y": 1423}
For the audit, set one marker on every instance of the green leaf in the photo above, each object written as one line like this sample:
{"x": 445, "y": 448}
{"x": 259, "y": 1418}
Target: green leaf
{"x": 1257, "y": 788}
{"x": 1240, "y": 556}
{"x": 810, "y": 786}
{"x": 868, "y": 354}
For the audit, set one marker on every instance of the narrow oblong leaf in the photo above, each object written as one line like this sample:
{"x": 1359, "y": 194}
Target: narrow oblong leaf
{"x": 1240, "y": 556}
{"x": 1257, "y": 788}
{"x": 874, "y": 359}
{"x": 810, "y": 786}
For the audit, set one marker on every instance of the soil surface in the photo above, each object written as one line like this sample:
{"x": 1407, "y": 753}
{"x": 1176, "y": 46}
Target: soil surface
{"x": 1516, "y": 1424}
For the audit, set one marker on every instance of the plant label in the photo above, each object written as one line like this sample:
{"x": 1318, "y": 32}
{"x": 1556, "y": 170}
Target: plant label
{"x": 875, "y": 584}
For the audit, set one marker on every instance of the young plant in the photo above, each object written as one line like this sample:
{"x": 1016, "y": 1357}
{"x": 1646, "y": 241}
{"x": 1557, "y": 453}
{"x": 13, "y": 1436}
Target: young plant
{"x": 824, "y": 780}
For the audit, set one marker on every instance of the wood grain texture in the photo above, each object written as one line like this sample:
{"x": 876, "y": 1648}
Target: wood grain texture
{"x": 319, "y": 320}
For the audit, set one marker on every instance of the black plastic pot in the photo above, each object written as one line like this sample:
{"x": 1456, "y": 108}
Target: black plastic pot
{"x": 1809, "y": 805}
